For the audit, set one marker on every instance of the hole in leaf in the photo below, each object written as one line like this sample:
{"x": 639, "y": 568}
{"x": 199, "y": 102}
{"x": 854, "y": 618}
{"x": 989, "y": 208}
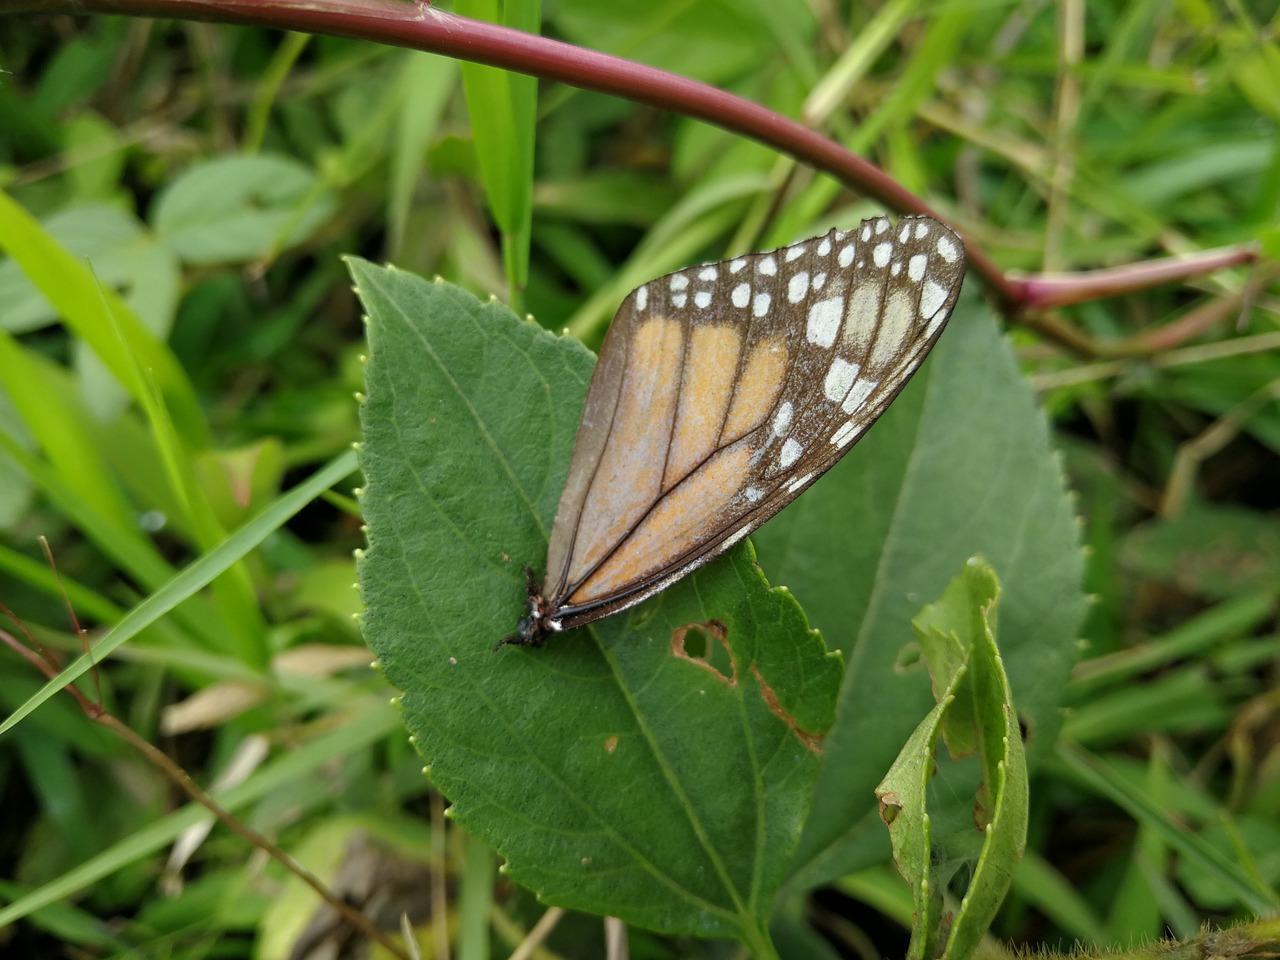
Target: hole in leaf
{"x": 706, "y": 644}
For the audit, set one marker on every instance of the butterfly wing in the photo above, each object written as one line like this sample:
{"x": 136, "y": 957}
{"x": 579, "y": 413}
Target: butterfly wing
{"x": 724, "y": 390}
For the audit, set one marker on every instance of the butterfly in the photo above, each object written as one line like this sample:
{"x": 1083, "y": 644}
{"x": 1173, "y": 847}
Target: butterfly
{"x": 721, "y": 393}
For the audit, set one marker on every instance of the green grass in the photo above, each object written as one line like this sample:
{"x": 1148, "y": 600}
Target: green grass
{"x": 180, "y": 351}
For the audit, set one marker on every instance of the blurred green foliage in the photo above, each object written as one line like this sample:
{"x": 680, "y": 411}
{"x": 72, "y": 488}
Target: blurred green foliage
{"x": 179, "y": 347}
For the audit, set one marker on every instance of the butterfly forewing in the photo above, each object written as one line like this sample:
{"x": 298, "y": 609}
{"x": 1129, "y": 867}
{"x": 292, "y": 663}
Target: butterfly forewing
{"x": 723, "y": 391}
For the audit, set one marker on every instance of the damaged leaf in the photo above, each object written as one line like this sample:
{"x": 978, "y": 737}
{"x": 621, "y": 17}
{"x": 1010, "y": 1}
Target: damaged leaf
{"x": 976, "y": 717}
{"x": 618, "y": 769}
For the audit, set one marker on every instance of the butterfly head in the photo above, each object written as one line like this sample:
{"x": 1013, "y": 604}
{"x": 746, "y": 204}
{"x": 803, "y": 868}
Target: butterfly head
{"x": 532, "y": 629}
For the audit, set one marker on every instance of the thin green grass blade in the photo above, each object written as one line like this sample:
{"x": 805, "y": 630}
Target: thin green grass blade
{"x": 74, "y": 291}
{"x": 426, "y": 81}
{"x": 1098, "y": 776}
{"x": 193, "y": 578}
{"x": 503, "y": 107}
{"x": 233, "y": 592}
{"x": 63, "y": 429}
{"x": 363, "y": 728}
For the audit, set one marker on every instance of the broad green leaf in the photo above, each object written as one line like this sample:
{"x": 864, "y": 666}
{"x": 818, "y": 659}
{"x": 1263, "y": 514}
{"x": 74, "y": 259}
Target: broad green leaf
{"x": 237, "y": 208}
{"x": 615, "y": 770}
{"x": 959, "y": 465}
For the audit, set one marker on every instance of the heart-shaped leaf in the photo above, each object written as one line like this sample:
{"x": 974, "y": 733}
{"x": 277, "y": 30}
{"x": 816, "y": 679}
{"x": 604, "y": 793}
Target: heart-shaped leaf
{"x": 657, "y": 765}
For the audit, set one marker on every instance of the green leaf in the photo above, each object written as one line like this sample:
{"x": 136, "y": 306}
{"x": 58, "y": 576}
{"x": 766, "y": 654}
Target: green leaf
{"x": 902, "y": 795}
{"x": 959, "y": 465}
{"x": 616, "y": 770}
{"x": 237, "y": 208}
{"x": 975, "y": 712}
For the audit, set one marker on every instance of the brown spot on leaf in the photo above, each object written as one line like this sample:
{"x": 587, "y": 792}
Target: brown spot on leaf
{"x": 812, "y": 741}
{"x": 890, "y": 806}
{"x": 682, "y": 646}
{"x": 982, "y": 812}
{"x": 610, "y": 744}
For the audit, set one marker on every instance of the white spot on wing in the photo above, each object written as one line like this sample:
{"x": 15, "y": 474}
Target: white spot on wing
{"x": 782, "y": 419}
{"x": 915, "y": 268}
{"x": 679, "y": 282}
{"x": 947, "y": 247}
{"x": 866, "y": 232}
{"x": 896, "y": 268}
{"x": 840, "y": 377}
{"x": 798, "y": 482}
{"x": 753, "y": 494}
{"x": 679, "y": 299}
{"x": 642, "y": 298}
{"x": 846, "y": 255}
{"x": 881, "y": 226}
{"x": 824, "y": 247}
{"x": 932, "y": 297}
{"x": 905, "y": 233}
{"x": 796, "y": 252}
{"x": 768, "y": 266}
{"x": 819, "y": 281}
{"x": 707, "y": 274}
{"x": 858, "y": 395}
{"x": 735, "y": 266}
{"x": 790, "y": 452}
{"x": 899, "y": 327}
{"x": 881, "y": 254}
{"x": 824, "y": 321}
{"x": 846, "y": 433}
{"x": 741, "y": 295}
{"x": 703, "y": 299}
{"x": 798, "y": 286}
{"x": 760, "y": 306}
{"x": 922, "y": 229}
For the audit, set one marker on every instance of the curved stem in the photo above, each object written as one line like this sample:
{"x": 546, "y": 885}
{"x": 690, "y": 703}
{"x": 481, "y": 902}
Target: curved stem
{"x": 422, "y": 27}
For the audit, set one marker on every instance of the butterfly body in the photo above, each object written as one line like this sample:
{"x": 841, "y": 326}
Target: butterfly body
{"x": 721, "y": 393}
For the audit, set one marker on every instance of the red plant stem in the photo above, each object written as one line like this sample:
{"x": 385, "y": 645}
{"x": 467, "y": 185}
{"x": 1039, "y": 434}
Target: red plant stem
{"x": 421, "y": 27}
{"x": 425, "y": 28}
{"x": 1058, "y": 290}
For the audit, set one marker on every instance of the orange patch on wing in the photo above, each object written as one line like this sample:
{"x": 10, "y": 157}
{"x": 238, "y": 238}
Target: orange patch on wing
{"x": 685, "y": 517}
{"x": 705, "y": 389}
{"x": 757, "y": 388}
{"x": 629, "y": 477}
